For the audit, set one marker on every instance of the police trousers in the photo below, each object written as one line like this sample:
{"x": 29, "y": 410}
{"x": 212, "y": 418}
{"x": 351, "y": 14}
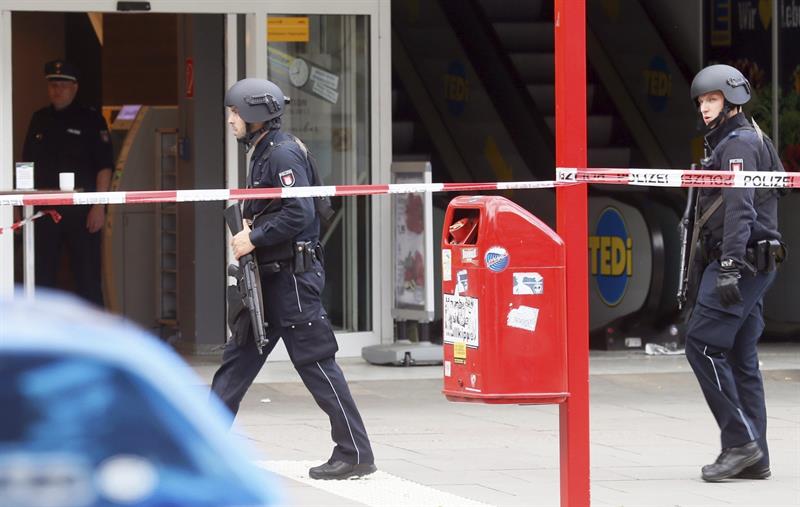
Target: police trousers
{"x": 69, "y": 234}
{"x": 721, "y": 347}
{"x": 322, "y": 377}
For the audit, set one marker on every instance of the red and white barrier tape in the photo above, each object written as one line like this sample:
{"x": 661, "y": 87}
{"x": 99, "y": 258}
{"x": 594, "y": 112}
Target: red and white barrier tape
{"x": 140, "y": 197}
{"x": 679, "y": 178}
{"x": 564, "y": 176}
{"x": 39, "y": 214}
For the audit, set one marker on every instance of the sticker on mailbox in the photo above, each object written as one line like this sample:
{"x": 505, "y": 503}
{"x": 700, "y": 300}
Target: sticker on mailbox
{"x": 462, "y": 282}
{"x": 523, "y": 317}
{"x": 447, "y": 265}
{"x": 496, "y": 259}
{"x": 528, "y": 283}
{"x": 460, "y": 321}
{"x": 447, "y": 368}
{"x": 469, "y": 255}
{"x": 460, "y": 353}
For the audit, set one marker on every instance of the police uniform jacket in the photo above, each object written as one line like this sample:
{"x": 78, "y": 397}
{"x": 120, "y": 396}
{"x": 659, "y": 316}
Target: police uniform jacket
{"x": 746, "y": 215}
{"x": 290, "y": 298}
{"x": 74, "y": 139}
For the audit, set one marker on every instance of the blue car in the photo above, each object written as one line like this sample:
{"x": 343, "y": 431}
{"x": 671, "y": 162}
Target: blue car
{"x": 96, "y": 412}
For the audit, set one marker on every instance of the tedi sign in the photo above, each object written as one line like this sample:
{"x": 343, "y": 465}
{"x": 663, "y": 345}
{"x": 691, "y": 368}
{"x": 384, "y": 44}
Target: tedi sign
{"x": 611, "y": 256}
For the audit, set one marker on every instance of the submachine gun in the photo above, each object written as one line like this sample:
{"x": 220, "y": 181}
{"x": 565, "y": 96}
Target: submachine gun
{"x": 249, "y": 280}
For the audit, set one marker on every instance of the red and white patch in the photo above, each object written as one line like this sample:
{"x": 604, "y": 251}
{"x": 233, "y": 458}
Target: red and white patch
{"x": 287, "y": 178}
{"x": 736, "y": 164}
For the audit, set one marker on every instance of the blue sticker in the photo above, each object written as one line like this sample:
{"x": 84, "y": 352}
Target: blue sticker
{"x": 462, "y": 282}
{"x": 497, "y": 259}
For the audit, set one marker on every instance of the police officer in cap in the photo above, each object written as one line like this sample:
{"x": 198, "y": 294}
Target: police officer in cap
{"x": 741, "y": 248}
{"x": 285, "y": 236}
{"x": 68, "y": 137}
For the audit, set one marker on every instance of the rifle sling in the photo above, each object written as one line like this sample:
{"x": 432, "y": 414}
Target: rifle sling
{"x": 699, "y": 225}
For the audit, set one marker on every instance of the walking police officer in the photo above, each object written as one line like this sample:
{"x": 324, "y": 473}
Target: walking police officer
{"x": 741, "y": 247}
{"x": 285, "y": 236}
{"x": 67, "y": 137}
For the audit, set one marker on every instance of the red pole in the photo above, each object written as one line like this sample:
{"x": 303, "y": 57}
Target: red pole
{"x": 573, "y": 227}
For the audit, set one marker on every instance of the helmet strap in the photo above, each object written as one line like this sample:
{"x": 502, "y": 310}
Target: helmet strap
{"x": 251, "y": 138}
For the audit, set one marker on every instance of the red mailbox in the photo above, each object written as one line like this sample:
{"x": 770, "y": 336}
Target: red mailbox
{"x": 504, "y": 301}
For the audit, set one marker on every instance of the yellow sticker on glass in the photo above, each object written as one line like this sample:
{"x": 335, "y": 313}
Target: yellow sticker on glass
{"x": 287, "y": 29}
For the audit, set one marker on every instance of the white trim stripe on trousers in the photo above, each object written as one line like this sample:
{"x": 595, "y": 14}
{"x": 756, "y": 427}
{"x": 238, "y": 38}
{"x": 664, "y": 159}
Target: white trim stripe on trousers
{"x": 358, "y": 454}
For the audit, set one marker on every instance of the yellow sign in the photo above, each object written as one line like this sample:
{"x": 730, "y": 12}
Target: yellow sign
{"x": 287, "y": 29}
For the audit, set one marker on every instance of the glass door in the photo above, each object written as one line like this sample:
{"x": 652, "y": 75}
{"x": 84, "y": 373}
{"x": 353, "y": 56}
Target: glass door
{"x": 322, "y": 62}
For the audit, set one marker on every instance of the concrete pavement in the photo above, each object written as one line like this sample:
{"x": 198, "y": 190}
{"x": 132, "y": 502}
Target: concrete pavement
{"x": 650, "y": 434}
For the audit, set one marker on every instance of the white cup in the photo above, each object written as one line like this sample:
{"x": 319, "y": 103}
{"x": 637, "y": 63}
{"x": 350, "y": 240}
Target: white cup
{"x": 66, "y": 181}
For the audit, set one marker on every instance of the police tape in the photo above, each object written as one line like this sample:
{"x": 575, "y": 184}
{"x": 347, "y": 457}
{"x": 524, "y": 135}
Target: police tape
{"x": 56, "y": 216}
{"x": 161, "y": 196}
{"x": 679, "y": 178}
{"x": 564, "y": 177}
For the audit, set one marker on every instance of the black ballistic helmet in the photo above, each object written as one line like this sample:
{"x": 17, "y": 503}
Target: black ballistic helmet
{"x": 257, "y": 100}
{"x": 724, "y": 78}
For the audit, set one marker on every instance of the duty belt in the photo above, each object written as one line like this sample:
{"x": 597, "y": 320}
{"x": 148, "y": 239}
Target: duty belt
{"x": 302, "y": 260}
{"x": 763, "y": 256}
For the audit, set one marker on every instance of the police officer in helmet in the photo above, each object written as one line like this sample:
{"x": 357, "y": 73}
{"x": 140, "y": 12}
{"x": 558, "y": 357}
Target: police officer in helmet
{"x": 740, "y": 249}
{"x": 292, "y": 283}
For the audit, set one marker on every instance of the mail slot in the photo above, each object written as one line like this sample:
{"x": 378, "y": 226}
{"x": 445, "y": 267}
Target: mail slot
{"x": 504, "y": 304}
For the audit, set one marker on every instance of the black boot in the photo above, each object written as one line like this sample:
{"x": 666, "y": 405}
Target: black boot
{"x": 732, "y": 461}
{"x": 335, "y": 469}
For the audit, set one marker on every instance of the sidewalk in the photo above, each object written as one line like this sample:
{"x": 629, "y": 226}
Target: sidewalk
{"x": 650, "y": 434}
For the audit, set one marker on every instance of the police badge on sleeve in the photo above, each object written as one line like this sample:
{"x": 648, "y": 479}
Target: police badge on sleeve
{"x": 287, "y": 178}
{"x": 736, "y": 164}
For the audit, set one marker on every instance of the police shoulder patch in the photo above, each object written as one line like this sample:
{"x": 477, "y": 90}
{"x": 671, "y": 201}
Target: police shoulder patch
{"x": 287, "y": 178}
{"x": 736, "y": 164}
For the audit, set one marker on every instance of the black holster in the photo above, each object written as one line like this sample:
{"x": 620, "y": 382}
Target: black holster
{"x": 305, "y": 253}
{"x": 767, "y": 254}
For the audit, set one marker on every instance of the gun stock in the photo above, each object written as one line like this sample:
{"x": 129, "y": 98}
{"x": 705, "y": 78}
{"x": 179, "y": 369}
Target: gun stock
{"x": 250, "y": 279}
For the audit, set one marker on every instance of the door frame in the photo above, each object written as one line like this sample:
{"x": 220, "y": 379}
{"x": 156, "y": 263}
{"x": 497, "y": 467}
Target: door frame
{"x": 256, "y": 12}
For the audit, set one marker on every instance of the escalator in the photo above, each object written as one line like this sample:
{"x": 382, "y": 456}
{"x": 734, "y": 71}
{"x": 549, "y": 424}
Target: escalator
{"x": 525, "y": 35}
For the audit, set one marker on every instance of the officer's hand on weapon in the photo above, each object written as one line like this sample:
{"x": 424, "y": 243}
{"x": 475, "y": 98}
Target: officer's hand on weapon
{"x": 240, "y": 243}
{"x": 728, "y": 283}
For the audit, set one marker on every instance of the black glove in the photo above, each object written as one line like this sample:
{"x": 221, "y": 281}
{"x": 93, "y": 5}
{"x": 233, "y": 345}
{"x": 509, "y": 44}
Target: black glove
{"x": 728, "y": 283}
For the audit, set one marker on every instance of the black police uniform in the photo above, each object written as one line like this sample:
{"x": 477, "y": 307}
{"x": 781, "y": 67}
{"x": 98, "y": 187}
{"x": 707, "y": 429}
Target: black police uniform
{"x": 292, "y": 300}
{"x": 74, "y": 139}
{"x": 721, "y": 340}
